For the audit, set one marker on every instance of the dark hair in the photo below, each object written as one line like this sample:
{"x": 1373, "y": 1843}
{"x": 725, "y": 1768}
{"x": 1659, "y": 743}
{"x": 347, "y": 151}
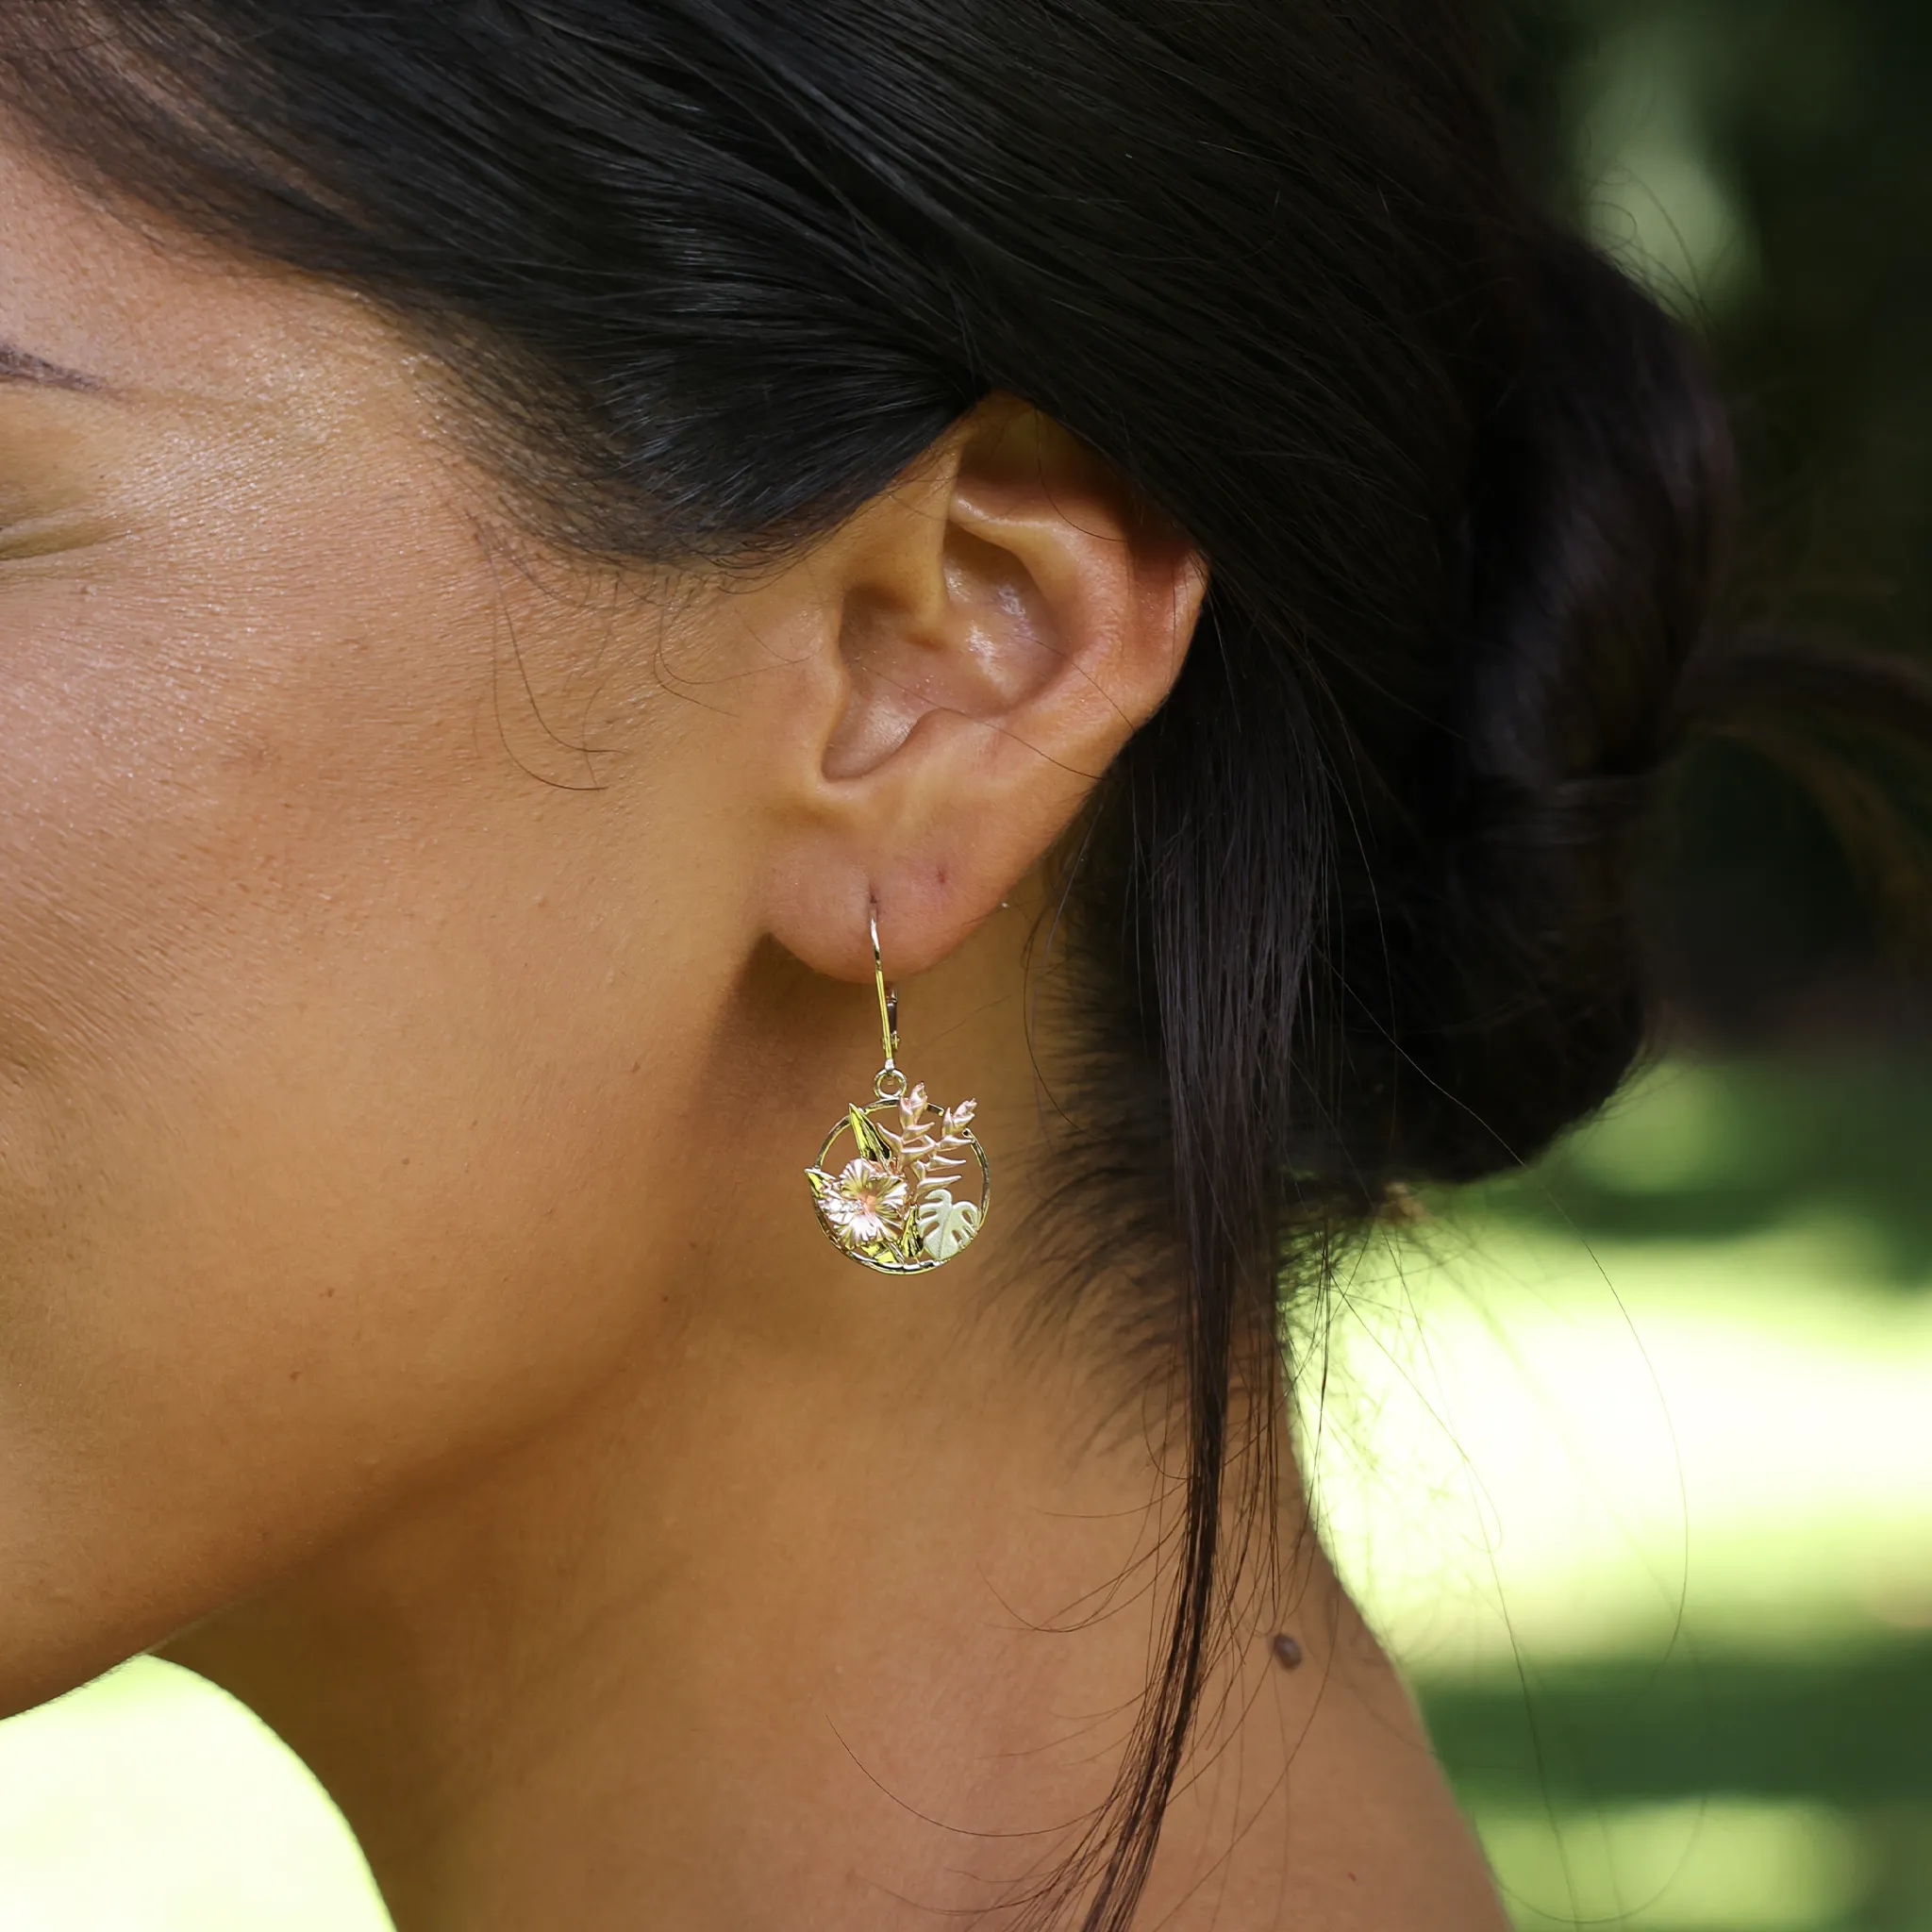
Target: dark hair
{"x": 1358, "y": 900}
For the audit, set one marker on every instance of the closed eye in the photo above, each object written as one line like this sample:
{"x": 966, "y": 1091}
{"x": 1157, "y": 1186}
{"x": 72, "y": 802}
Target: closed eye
{"x": 46, "y": 535}
{"x": 18, "y": 365}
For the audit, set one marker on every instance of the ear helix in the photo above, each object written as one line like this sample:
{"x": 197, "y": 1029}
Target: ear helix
{"x": 896, "y": 1203}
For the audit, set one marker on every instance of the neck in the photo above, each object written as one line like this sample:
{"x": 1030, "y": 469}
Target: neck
{"x": 788, "y": 1652}
{"x": 832, "y": 1605}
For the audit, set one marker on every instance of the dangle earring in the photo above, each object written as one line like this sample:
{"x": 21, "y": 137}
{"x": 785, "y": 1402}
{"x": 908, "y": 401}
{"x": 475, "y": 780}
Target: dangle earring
{"x": 913, "y": 1189}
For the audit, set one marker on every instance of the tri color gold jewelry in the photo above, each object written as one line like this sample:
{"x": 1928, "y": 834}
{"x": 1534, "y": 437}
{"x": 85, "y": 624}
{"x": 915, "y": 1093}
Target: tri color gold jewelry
{"x": 913, "y": 1188}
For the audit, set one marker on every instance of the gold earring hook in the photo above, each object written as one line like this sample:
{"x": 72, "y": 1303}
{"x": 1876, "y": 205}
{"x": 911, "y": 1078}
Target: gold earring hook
{"x": 889, "y": 999}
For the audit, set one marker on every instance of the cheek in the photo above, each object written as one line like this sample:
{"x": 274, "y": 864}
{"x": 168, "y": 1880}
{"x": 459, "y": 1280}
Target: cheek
{"x": 326, "y": 1126}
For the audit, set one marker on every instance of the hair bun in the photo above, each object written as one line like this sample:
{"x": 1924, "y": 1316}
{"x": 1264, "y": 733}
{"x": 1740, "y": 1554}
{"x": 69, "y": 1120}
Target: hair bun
{"x": 1602, "y": 479}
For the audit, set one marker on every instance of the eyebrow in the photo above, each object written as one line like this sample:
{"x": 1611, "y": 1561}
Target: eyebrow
{"x": 17, "y": 365}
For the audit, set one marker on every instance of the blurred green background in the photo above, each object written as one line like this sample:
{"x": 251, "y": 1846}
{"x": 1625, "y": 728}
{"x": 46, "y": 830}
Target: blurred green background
{"x": 1630, "y": 1456}
{"x": 1632, "y": 1461}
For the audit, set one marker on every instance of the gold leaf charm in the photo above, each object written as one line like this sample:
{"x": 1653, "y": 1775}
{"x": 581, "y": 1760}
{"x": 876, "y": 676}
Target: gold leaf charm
{"x": 901, "y": 1185}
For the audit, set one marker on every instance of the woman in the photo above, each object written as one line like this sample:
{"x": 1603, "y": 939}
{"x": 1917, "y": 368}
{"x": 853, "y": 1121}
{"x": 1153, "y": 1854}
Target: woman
{"x": 533, "y": 534}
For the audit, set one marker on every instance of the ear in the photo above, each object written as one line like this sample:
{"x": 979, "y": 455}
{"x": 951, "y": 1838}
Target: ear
{"x": 992, "y": 630}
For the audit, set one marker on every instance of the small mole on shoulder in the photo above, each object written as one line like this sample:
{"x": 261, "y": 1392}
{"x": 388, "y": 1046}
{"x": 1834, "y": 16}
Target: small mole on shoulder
{"x": 1288, "y": 1653}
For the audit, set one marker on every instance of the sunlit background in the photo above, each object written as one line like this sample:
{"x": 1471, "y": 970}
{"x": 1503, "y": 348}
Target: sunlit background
{"x": 1631, "y": 1457}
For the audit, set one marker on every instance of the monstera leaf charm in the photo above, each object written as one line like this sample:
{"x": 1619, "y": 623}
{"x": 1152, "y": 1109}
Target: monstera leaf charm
{"x": 945, "y": 1226}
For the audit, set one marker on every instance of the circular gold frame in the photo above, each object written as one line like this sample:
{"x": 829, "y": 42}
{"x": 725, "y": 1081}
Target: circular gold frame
{"x": 923, "y": 1263}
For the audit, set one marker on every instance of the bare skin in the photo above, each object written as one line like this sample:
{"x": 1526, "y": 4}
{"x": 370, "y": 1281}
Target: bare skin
{"x": 426, "y": 964}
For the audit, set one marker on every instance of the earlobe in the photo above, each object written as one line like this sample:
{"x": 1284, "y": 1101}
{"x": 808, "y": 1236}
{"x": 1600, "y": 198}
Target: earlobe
{"x": 1006, "y": 618}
